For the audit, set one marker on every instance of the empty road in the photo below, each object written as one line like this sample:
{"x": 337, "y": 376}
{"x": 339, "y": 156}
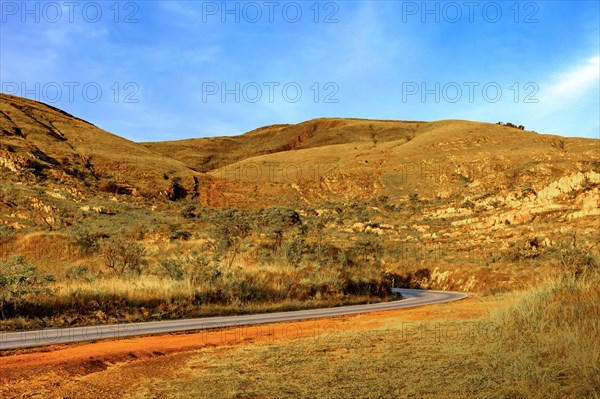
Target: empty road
{"x": 25, "y": 339}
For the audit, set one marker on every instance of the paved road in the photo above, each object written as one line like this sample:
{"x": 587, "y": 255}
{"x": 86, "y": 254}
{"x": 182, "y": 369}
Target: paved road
{"x": 413, "y": 298}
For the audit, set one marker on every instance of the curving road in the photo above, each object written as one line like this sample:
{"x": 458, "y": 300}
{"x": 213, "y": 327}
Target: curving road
{"x": 25, "y": 339}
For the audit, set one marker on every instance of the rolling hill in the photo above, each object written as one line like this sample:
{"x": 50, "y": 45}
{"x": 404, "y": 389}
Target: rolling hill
{"x": 467, "y": 187}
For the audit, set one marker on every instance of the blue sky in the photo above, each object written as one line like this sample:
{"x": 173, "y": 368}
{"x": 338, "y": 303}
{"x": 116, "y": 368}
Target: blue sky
{"x": 164, "y": 70}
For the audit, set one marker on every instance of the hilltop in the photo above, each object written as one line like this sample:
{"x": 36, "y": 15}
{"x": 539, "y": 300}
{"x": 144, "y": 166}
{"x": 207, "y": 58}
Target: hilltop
{"x": 318, "y": 160}
{"x": 38, "y": 140}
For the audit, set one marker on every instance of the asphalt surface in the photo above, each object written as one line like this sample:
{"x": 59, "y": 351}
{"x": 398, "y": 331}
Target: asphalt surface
{"x": 25, "y": 339}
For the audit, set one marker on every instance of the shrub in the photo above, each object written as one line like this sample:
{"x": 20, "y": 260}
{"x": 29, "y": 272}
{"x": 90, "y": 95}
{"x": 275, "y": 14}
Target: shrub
{"x": 109, "y": 186}
{"x": 180, "y": 235}
{"x": 19, "y": 279}
{"x": 575, "y": 258}
{"x": 326, "y": 255}
{"x": 295, "y": 249}
{"x": 197, "y": 268}
{"x": 205, "y": 270}
{"x": 87, "y": 242}
{"x": 122, "y": 254}
{"x": 367, "y": 248}
{"x": 174, "y": 268}
{"x": 518, "y": 252}
{"x": 231, "y": 227}
{"x": 6, "y": 232}
{"x": 78, "y": 272}
{"x": 188, "y": 212}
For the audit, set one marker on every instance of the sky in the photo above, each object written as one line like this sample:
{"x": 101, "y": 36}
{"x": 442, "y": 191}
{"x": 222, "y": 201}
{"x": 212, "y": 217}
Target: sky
{"x": 166, "y": 70}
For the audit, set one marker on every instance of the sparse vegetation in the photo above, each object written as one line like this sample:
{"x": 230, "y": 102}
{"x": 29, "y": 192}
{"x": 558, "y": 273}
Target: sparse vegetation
{"x": 322, "y": 213}
{"x": 576, "y": 258}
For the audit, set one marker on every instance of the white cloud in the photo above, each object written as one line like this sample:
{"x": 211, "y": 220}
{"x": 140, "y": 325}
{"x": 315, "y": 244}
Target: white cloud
{"x": 572, "y": 85}
{"x": 568, "y": 102}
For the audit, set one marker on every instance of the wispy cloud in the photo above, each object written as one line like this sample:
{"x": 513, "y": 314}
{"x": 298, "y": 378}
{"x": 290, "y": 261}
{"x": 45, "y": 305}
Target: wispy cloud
{"x": 568, "y": 101}
{"x": 365, "y": 45}
{"x": 573, "y": 84}
{"x": 369, "y": 53}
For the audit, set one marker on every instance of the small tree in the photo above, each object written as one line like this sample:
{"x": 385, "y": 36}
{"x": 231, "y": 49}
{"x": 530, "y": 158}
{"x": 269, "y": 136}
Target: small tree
{"x": 277, "y": 221}
{"x": 366, "y": 248}
{"x": 122, "y": 254}
{"x": 231, "y": 229}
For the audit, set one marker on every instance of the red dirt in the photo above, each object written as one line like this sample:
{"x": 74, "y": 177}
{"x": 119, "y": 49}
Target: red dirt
{"x": 53, "y": 366}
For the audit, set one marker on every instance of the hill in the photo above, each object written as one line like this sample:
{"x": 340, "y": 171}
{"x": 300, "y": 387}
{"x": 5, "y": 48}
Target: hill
{"x": 207, "y": 154}
{"x": 41, "y": 141}
{"x": 327, "y": 211}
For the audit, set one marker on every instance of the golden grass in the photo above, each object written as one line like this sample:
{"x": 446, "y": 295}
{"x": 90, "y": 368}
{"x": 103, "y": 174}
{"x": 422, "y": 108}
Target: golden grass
{"x": 542, "y": 344}
{"x": 130, "y": 298}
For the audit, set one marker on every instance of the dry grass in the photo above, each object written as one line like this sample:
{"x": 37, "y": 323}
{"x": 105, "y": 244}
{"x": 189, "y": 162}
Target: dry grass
{"x": 550, "y": 341}
{"x": 205, "y": 154}
{"x": 542, "y": 344}
{"x": 217, "y": 290}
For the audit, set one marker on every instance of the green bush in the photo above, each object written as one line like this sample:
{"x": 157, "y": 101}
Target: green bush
{"x": 366, "y": 248}
{"x": 180, "y": 235}
{"x": 78, "y": 272}
{"x": 173, "y": 267}
{"x": 18, "y": 281}
{"x": 87, "y": 242}
{"x": 6, "y": 232}
{"x": 295, "y": 249}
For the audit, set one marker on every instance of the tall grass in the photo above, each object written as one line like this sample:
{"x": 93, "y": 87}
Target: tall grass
{"x": 550, "y": 342}
{"x": 201, "y": 289}
{"x": 543, "y": 344}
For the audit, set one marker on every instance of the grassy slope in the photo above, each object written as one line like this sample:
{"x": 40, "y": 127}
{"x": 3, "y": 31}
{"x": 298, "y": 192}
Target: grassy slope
{"x": 207, "y": 154}
{"x": 35, "y": 132}
{"x": 428, "y": 163}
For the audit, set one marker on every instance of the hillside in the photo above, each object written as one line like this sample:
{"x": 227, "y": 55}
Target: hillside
{"x": 325, "y": 212}
{"x": 319, "y": 160}
{"x": 45, "y": 142}
{"x": 447, "y": 160}
{"x": 207, "y": 154}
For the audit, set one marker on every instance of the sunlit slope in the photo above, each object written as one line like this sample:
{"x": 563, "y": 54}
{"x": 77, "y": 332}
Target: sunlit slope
{"x": 50, "y": 143}
{"x": 205, "y": 154}
{"x": 437, "y": 160}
